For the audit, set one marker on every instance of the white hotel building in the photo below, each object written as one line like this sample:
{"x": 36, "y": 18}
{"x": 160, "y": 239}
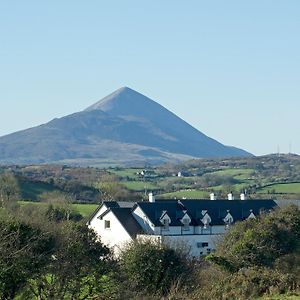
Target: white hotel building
{"x": 195, "y": 225}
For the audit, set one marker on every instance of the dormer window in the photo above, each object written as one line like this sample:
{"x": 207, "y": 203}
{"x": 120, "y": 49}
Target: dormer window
{"x": 252, "y": 215}
{"x": 186, "y": 224}
{"x": 206, "y": 220}
{"x": 186, "y": 220}
{"x": 165, "y": 224}
{"x": 165, "y": 220}
{"x": 228, "y": 220}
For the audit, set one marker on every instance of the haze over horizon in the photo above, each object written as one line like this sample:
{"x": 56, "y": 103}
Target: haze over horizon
{"x": 231, "y": 70}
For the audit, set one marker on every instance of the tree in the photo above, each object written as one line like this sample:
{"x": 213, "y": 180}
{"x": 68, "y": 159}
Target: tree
{"x": 9, "y": 190}
{"x": 23, "y": 251}
{"x": 111, "y": 189}
{"x": 259, "y": 242}
{"x": 60, "y": 207}
{"x": 152, "y": 267}
{"x": 258, "y": 256}
{"x": 80, "y": 268}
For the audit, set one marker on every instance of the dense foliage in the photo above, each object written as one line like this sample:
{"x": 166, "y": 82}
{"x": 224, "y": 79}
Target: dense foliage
{"x": 47, "y": 259}
{"x": 47, "y": 252}
{"x": 260, "y": 256}
{"x": 152, "y": 267}
{"x": 24, "y": 250}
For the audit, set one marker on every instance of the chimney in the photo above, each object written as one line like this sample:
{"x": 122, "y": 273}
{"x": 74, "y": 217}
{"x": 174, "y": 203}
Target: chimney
{"x": 243, "y": 196}
{"x": 230, "y": 196}
{"x": 151, "y": 198}
{"x": 212, "y": 196}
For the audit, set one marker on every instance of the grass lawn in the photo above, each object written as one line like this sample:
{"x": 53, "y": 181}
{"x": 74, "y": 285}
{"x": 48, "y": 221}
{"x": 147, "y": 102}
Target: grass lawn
{"x": 282, "y": 188}
{"x": 85, "y": 209}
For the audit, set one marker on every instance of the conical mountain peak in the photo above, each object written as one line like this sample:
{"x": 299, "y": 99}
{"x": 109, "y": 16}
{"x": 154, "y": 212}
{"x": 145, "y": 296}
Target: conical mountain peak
{"x": 123, "y": 95}
{"x": 125, "y": 127}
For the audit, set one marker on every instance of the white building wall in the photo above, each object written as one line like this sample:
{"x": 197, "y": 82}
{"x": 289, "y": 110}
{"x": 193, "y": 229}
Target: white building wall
{"x": 115, "y": 237}
{"x": 178, "y": 230}
{"x": 194, "y": 245}
{"x": 173, "y": 230}
{"x": 94, "y": 223}
{"x": 219, "y": 229}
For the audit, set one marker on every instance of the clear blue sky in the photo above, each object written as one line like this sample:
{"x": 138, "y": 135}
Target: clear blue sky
{"x": 229, "y": 68}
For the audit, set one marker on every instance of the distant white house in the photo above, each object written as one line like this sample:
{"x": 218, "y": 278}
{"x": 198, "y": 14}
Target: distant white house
{"x": 195, "y": 225}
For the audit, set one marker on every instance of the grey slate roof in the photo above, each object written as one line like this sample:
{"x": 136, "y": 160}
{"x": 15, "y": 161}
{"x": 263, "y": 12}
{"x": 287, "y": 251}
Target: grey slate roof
{"x": 125, "y": 217}
{"x": 120, "y": 204}
{"x": 217, "y": 210}
{"x": 110, "y": 204}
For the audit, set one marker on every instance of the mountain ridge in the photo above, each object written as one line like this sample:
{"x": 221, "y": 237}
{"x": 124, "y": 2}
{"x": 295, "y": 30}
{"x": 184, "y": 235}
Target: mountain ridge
{"x": 125, "y": 127}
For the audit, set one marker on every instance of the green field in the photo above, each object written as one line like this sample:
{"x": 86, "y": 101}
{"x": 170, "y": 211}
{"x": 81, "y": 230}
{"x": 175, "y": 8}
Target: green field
{"x": 140, "y": 185}
{"x": 240, "y": 174}
{"x": 188, "y": 194}
{"x": 126, "y": 173}
{"x": 84, "y": 209}
{"x": 33, "y": 190}
{"x": 281, "y": 188}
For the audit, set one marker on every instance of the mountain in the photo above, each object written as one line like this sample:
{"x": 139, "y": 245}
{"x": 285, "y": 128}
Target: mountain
{"x": 125, "y": 127}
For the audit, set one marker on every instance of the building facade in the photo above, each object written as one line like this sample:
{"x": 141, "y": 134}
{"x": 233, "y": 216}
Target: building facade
{"x": 194, "y": 226}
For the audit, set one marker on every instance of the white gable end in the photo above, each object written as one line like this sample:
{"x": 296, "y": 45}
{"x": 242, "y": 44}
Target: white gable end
{"x": 111, "y": 232}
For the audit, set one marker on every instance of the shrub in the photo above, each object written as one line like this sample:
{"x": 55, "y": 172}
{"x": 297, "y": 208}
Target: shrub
{"x": 152, "y": 267}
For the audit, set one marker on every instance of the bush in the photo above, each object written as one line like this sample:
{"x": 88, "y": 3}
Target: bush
{"x": 258, "y": 257}
{"x": 249, "y": 284}
{"x": 260, "y": 242}
{"x": 153, "y": 268}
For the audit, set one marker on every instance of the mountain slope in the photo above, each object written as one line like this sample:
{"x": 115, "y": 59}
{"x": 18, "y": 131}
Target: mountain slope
{"x": 123, "y": 128}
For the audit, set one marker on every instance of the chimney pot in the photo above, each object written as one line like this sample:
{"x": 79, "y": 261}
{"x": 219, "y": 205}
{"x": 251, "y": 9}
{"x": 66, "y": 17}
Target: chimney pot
{"x": 151, "y": 198}
{"x": 230, "y": 196}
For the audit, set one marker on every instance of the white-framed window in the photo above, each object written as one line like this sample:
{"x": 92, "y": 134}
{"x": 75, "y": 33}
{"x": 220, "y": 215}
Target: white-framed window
{"x": 186, "y": 224}
{"x": 165, "y": 224}
{"x": 106, "y": 224}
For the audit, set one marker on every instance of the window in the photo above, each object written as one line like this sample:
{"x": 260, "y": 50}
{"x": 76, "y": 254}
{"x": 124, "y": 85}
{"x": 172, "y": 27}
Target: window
{"x": 186, "y": 224}
{"x": 204, "y": 244}
{"x": 165, "y": 224}
{"x": 107, "y": 224}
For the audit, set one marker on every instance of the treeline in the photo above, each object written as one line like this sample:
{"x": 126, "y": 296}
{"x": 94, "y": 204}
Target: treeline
{"x": 47, "y": 253}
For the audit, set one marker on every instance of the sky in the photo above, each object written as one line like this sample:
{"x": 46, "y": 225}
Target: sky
{"x": 229, "y": 68}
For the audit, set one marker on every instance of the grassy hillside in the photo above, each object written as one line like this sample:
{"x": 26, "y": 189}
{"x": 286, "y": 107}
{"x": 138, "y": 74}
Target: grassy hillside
{"x": 281, "y": 188}
{"x": 188, "y": 194}
{"x": 273, "y": 176}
